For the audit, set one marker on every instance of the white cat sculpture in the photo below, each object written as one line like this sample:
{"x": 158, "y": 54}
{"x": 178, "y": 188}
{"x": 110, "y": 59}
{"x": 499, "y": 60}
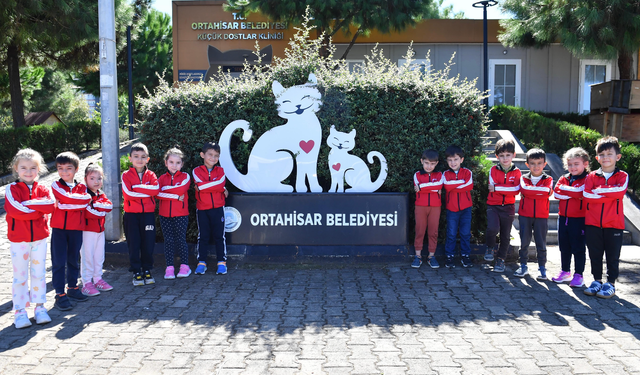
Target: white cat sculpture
{"x": 350, "y": 168}
{"x": 271, "y": 159}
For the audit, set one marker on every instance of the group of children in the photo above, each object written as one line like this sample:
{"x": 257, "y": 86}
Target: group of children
{"x": 590, "y": 208}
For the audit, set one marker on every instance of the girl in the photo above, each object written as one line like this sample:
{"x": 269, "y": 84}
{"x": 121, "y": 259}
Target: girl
{"x": 174, "y": 213}
{"x": 92, "y": 251}
{"x": 572, "y": 212}
{"x": 27, "y": 204}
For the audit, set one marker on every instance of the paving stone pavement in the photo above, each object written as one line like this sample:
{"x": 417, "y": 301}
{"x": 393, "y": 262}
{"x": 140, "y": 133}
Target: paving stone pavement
{"x": 331, "y": 318}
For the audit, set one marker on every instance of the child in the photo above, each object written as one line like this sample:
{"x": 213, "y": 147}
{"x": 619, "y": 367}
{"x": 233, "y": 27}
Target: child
{"x": 210, "y": 199}
{"x": 27, "y": 204}
{"x": 427, "y": 185}
{"x": 458, "y": 183}
{"x": 92, "y": 252}
{"x": 604, "y": 190}
{"x": 533, "y": 214}
{"x": 572, "y": 211}
{"x": 504, "y": 185}
{"x": 67, "y": 223}
{"x": 139, "y": 186}
{"x": 174, "y": 212}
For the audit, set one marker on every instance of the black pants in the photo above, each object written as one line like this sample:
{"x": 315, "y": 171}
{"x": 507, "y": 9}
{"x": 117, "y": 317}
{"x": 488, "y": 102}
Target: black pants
{"x": 604, "y": 241}
{"x": 499, "y": 220}
{"x": 571, "y": 242}
{"x": 211, "y": 229}
{"x": 65, "y": 251}
{"x": 540, "y": 227}
{"x": 174, "y": 230}
{"x": 140, "y": 231}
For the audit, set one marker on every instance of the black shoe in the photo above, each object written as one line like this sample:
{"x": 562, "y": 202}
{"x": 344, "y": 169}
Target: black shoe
{"x": 138, "y": 279}
{"x": 466, "y": 262}
{"x": 76, "y": 294}
{"x": 450, "y": 263}
{"x": 62, "y": 302}
{"x": 148, "y": 279}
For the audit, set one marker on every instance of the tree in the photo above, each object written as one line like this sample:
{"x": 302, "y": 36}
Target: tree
{"x": 30, "y": 80}
{"x": 330, "y": 17}
{"x": 448, "y": 13}
{"x": 607, "y": 29}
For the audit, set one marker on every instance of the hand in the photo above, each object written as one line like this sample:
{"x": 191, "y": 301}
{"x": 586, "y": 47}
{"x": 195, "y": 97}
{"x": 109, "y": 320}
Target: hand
{"x": 197, "y": 188}
{"x": 416, "y": 188}
{"x": 181, "y": 199}
{"x": 226, "y": 193}
{"x": 492, "y": 188}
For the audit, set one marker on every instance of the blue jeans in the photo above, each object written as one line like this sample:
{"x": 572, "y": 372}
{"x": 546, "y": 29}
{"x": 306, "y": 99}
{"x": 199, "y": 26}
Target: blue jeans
{"x": 460, "y": 220}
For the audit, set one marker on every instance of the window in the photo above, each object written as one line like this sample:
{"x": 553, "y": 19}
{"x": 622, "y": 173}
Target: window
{"x": 504, "y": 82}
{"x": 355, "y": 66}
{"x": 423, "y": 64}
{"x": 591, "y": 72}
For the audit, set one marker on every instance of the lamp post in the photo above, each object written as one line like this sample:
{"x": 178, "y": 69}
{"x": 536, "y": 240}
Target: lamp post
{"x": 130, "y": 75}
{"x": 484, "y": 4}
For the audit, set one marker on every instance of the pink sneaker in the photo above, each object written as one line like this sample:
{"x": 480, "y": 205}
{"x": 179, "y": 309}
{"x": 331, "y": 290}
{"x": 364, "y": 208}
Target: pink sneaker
{"x": 170, "y": 273}
{"x": 184, "y": 271}
{"x": 103, "y": 286}
{"x": 90, "y": 290}
{"x": 562, "y": 277}
{"x": 577, "y": 282}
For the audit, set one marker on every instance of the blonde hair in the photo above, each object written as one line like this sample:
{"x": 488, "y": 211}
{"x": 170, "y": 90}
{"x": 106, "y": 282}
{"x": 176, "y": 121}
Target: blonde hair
{"x": 173, "y": 151}
{"x": 28, "y": 154}
{"x": 93, "y": 168}
{"x": 576, "y": 152}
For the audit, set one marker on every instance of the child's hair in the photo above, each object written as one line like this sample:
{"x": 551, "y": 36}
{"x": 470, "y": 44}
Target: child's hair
{"x": 608, "y": 143}
{"x": 93, "y": 168}
{"x": 210, "y": 146}
{"x": 139, "y": 147}
{"x": 536, "y": 153}
{"x": 28, "y": 154}
{"x": 576, "y": 152}
{"x": 173, "y": 151}
{"x": 505, "y": 145}
{"x": 68, "y": 157}
{"x": 452, "y": 151}
{"x": 431, "y": 155}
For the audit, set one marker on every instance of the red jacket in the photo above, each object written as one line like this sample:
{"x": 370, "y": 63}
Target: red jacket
{"x": 506, "y": 184}
{"x": 568, "y": 191}
{"x": 27, "y": 211}
{"x": 534, "y": 201}
{"x": 138, "y": 192}
{"x": 70, "y": 205}
{"x": 604, "y": 199}
{"x": 171, "y": 188}
{"x": 458, "y": 186}
{"x": 96, "y": 211}
{"x": 430, "y": 185}
{"x": 210, "y": 187}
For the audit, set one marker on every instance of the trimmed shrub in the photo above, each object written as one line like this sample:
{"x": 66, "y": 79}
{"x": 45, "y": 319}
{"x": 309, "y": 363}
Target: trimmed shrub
{"x": 570, "y": 117}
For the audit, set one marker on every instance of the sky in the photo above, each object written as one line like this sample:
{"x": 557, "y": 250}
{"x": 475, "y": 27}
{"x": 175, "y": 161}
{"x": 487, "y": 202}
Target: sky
{"x": 458, "y": 5}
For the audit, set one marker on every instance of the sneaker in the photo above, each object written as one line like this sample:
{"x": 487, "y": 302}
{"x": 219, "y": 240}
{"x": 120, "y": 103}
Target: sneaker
{"x": 76, "y": 294}
{"x": 42, "y": 317}
{"x": 170, "y": 273}
{"x": 577, "y": 282}
{"x": 148, "y": 279}
{"x": 542, "y": 274}
{"x": 608, "y": 290}
{"x": 450, "y": 263}
{"x": 138, "y": 279}
{"x": 562, "y": 277}
{"x": 184, "y": 271}
{"x": 466, "y": 261}
{"x": 593, "y": 289}
{"x": 201, "y": 268}
{"x": 488, "y": 255}
{"x": 90, "y": 290}
{"x": 417, "y": 262}
{"x": 433, "y": 263}
{"x": 103, "y": 286}
{"x": 62, "y": 302}
{"x": 522, "y": 271}
{"x": 21, "y": 319}
{"x": 499, "y": 266}
{"x": 222, "y": 268}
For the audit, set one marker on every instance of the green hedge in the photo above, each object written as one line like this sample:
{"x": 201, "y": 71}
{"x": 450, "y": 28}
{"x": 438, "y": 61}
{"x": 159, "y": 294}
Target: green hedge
{"x": 574, "y": 118}
{"x": 556, "y": 137}
{"x": 49, "y": 140}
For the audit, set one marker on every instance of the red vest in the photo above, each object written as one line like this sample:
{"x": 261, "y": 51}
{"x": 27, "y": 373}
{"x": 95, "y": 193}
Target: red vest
{"x": 534, "y": 201}
{"x": 604, "y": 199}
{"x": 568, "y": 191}
{"x": 70, "y": 205}
{"x": 96, "y": 211}
{"x": 430, "y": 184}
{"x": 210, "y": 187}
{"x": 506, "y": 184}
{"x": 171, "y": 188}
{"x": 458, "y": 187}
{"x": 27, "y": 211}
{"x": 138, "y": 192}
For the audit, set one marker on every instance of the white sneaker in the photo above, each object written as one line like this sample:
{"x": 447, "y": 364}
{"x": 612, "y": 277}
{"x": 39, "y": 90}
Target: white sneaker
{"x": 42, "y": 317}
{"x": 21, "y": 319}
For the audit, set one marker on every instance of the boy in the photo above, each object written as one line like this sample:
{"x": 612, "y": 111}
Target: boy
{"x": 533, "y": 214}
{"x": 210, "y": 200}
{"x": 139, "y": 186}
{"x": 504, "y": 185}
{"x": 604, "y": 190}
{"x": 458, "y": 183}
{"x": 67, "y": 222}
{"x": 427, "y": 185}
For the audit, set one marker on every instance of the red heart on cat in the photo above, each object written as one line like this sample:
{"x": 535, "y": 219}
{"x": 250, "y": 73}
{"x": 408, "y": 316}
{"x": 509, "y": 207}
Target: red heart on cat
{"x": 307, "y": 146}
{"x": 336, "y": 166}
